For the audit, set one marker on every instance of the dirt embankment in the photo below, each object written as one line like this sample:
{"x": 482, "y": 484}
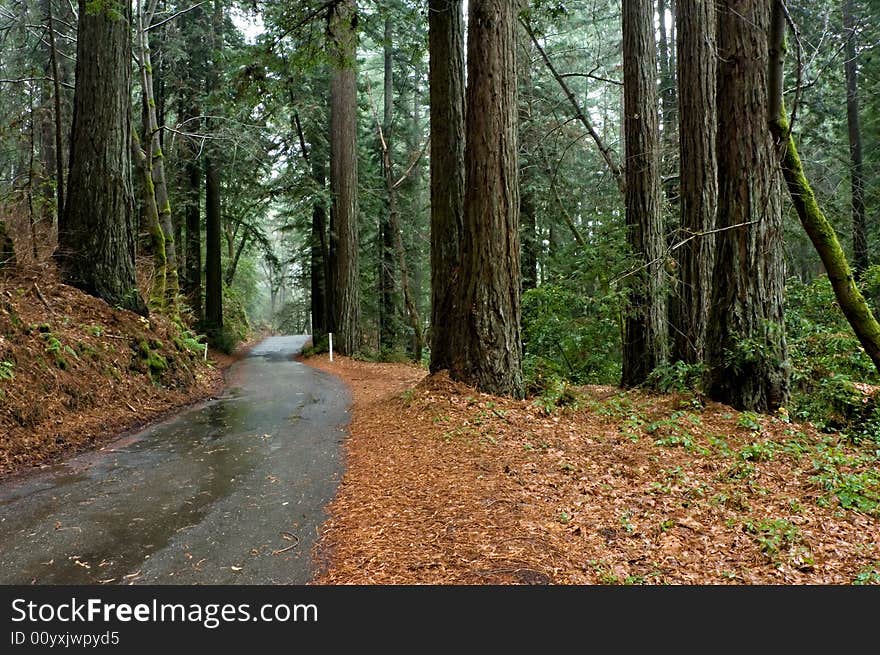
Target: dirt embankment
{"x": 75, "y": 372}
{"x": 446, "y": 485}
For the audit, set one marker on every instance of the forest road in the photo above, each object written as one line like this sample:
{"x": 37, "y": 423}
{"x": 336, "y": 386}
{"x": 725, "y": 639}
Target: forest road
{"x": 231, "y": 491}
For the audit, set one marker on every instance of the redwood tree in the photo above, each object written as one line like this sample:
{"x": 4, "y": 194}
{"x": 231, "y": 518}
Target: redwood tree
{"x": 645, "y": 331}
{"x": 486, "y": 348}
{"x": 342, "y": 33}
{"x": 446, "y": 46}
{"x": 746, "y": 351}
{"x": 96, "y": 240}
{"x": 695, "y": 20}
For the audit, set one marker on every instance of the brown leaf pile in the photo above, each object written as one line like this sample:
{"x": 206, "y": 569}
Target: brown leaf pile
{"x": 446, "y": 485}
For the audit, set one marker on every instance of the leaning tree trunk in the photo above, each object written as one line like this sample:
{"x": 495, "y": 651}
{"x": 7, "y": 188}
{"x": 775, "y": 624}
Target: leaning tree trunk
{"x": 485, "y": 324}
{"x": 153, "y": 143}
{"x": 746, "y": 353}
{"x": 343, "y": 175}
{"x": 818, "y": 228}
{"x": 698, "y": 176}
{"x": 861, "y": 260}
{"x": 446, "y": 36}
{"x": 96, "y": 241}
{"x": 151, "y": 218}
{"x": 645, "y": 332}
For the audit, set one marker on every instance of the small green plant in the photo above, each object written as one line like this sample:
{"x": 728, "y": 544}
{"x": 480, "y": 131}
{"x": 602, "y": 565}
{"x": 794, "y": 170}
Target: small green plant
{"x": 758, "y": 451}
{"x": 680, "y": 377}
{"x": 7, "y": 369}
{"x": 750, "y": 420}
{"x": 556, "y": 394}
{"x": 773, "y": 536}
{"x": 564, "y": 517}
{"x": 869, "y": 575}
{"x": 96, "y": 330}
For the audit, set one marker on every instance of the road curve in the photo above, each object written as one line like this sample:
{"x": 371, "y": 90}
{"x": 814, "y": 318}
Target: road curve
{"x": 231, "y": 491}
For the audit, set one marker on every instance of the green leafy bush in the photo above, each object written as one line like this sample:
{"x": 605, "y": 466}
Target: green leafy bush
{"x": 570, "y": 336}
{"x": 828, "y": 363}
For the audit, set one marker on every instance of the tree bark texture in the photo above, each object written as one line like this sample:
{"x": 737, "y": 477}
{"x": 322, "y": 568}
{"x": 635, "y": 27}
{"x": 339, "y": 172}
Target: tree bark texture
{"x": 861, "y": 260}
{"x": 213, "y": 254}
{"x": 695, "y": 21}
{"x": 645, "y": 327}
{"x": 194, "y": 238}
{"x": 447, "y": 88}
{"x": 667, "y": 91}
{"x": 746, "y": 352}
{"x": 485, "y": 323}
{"x": 151, "y": 219}
{"x": 342, "y": 26}
{"x": 96, "y": 243}
{"x": 387, "y": 274}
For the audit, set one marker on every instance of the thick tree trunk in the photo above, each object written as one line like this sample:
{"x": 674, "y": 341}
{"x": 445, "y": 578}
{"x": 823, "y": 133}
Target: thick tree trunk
{"x": 818, "y": 228}
{"x": 746, "y": 352}
{"x": 447, "y": 80}
{"x": 699, "y": 175}
{"x": 645, "y": 344}
{"x": 96, "y": 243}
{"x": 861, "y": 259}
{"x": 342, "y": 21}
{"x": 485, "y": 323}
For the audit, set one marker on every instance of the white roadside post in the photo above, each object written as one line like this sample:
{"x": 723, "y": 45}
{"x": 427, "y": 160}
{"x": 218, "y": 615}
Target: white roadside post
{"x": 331, "y": 346}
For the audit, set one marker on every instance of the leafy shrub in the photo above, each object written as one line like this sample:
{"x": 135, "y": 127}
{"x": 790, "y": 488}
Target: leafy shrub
{"x": 827, "y": 359}
{"x": 571, "y": 336}
{"x": 679, "y": 376}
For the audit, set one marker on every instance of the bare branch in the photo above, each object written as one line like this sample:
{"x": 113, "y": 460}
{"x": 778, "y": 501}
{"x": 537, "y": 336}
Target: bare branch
{"x": 176, "y": 15}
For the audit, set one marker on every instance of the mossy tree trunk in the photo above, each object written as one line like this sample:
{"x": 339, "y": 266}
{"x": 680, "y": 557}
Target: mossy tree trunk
{"x": 820, "y": 231}
{"x": 155, "y": 154}
{"x": 151, "y": 218}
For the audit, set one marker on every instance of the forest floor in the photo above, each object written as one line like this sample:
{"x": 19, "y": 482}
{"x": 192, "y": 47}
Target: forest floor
{"x": 75, "y": 372}
{"x": 446, "y": 485}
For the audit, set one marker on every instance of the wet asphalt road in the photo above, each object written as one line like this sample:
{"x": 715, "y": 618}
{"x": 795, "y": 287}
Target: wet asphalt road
{"x": 228, "y": 492}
